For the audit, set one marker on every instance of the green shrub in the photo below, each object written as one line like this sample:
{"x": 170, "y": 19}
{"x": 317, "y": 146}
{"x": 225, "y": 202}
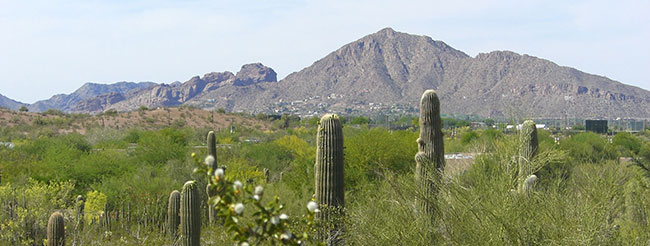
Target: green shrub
{"x": 588, "y": 147}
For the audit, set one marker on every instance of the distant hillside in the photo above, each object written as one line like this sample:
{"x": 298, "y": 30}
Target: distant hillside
{"x": 66, "y": 102}
{"x": 145, "y": 119}
{"x": 9, "y": 103}
{"x": 386, "y": 72}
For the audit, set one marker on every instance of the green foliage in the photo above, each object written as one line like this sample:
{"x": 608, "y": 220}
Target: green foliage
{"x": 468, "y": 137}
{"x": 27, "y": 207}
{"x": 266, "y": 223}
{"x": 94, "y": 206}
{"x": 359, "y": 120}
{"x": 588, "y": 147}
{"x": 161, "y": 146}
{"x": 626, "y": 144}
{"x": 370, "y": 152}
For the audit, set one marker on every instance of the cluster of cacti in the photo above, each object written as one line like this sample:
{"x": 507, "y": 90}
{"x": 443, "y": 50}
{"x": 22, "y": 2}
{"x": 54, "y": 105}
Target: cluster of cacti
{"x": 328, "y": 170}
{"x": 527, "y": 150}
{"x": 173, "y": 217}
{"x": 56, "y": 230}
{"x": 190, "y": 209}
{"x": 430, "y": 159}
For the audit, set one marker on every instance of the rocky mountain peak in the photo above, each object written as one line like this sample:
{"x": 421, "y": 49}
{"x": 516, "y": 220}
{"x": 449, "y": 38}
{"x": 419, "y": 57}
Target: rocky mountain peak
{"x": 254, "y": 73}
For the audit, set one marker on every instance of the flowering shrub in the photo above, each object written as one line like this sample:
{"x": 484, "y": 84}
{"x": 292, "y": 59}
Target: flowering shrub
{"x": 233, "y": 200}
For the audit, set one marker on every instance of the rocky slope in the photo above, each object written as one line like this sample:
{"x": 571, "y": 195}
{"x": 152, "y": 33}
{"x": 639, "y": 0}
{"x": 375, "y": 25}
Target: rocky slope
{"x": 66, "y": 102}
{"x": 163, "y": 95}
{"x": 9, "y": 103}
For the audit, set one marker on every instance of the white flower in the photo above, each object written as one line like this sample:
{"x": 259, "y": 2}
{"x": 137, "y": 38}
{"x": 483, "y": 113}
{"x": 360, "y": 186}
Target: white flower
{"x": 275, "y": 220}
{"x": 245, "y": 244}
{"x": 259, "y": 190}
{"x": 219, "y": 173}
{"x": 256, "y": 197}
{"x": 237, "y": 185}
{"x": 286, "y": 236}
{"x": 312, "y": 207}
{"x": 209, "y": 160}
{"x": 284, "y": 216}
{"x": 239, "y": 208}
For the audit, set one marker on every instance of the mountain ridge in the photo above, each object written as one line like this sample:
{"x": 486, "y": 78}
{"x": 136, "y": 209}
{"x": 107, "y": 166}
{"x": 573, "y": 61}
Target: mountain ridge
{"x": 386, "y": 72}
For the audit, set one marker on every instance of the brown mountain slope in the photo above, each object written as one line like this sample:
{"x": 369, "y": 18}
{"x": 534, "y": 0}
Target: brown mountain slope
{"x": 389, "y": 67}
{"x": 387, "y": 71}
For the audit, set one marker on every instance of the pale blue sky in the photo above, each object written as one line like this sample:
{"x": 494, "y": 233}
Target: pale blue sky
{"x": 49, "y": 47}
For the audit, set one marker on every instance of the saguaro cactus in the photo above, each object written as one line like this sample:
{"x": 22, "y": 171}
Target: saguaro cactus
{"x": 190, "y": 215}
{"x": 55, "y": 230}
{"x": 80, "y": 204}
{"x": 430, "y": 159}
{"x": 528, "y": 150}
{"x": 107, "y": 217}
{"x": 212, "y": 151}
{"x": 329, "y": 183}
{"x": 329, "y": 162}
{"x": 173, "y": 217}
{"x": 212, "y": 148}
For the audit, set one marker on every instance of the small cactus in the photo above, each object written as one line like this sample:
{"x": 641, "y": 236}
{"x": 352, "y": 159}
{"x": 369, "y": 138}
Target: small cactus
{"x": 173, "y": 210}
{"x": 55, "y": 230}
{"x": 430, "y": 159}
{"x": 528, "y": 150}
{"x": 190, "y": 215}
{"x": 329, "y": 178}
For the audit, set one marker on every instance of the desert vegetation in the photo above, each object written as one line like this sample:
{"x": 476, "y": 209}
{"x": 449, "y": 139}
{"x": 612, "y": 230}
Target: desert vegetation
{"x": 330, "y": 180}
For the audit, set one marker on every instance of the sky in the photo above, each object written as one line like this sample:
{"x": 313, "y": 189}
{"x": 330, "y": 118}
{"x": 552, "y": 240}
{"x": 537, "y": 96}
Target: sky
{"x": 50, "y": 47}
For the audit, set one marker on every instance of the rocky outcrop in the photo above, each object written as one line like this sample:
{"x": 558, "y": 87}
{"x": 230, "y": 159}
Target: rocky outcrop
{"x": 253, "y": 74}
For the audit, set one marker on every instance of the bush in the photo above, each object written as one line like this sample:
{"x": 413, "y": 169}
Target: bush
{"x": 627, "y": 144}
{"x": 588, "y": 147}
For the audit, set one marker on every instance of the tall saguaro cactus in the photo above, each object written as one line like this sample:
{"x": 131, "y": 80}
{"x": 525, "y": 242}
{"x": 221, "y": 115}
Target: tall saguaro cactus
{"x": 329, "y": 183}
{"x": 55, "y": 230}
{"x": 329, "y": 162}
{"x": 528, "y": 149}
{"x": 212, "y": 148}
{"x": 107, "y": 217}
{"x": 190, "y": 215}
{"x": 173, "y": 210}
{"x": 430, "y": 159}
{"x": 80, "y": 205}
{"x": 212, "y": 151}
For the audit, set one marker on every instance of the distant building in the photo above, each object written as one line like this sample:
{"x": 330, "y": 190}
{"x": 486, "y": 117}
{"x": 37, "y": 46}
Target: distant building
{"x": 597, "y": 126}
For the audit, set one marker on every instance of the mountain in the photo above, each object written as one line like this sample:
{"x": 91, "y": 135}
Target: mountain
{"x": 386, "y": 72}
{"x": 164, "y": 95}
{"x": 66, "y": 102}
{"x": 9, "y": 103}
